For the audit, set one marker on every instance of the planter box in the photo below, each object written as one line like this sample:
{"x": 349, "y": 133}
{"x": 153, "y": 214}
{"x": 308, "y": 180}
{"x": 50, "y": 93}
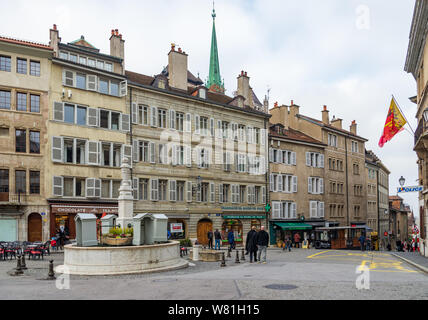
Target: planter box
{"x": 118, "y": 242}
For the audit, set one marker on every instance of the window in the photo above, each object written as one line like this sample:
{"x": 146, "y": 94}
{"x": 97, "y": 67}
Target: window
{"x": 225, "y": 129}
{"x": 162, "y": 189}
{"x": 20, "y": 141}
{"x": 354, "y": 146}
{"x": 69, "y": 113}
{"x": 356, "y": 169}
{"x": 315, "y": 160}
{"x": 115, "y": 120}
{"x": 34, "y": 142}
{"x": 316, "y": 209}
{"x": 100, "y": 64}
{"x": 115, "y": 189}
{"x": 315, "y": 185}
{"x": 180, "y": 191}
{"x": 179, "y": 121}
{"x": 79, "y": 187}
{"x": 80, "y": 151}
{"x": 81, "y": 81}
{"x": 225, "y": 193}
{"x": 4, "y": 180}
{"x": 203, "y": 125}
{"x": 204, "y": 192}
{"x": 103, "y": 86}
{"x": 68, "y": 150}
{"x": 20, "y": 182}
{"x": 114, "y": 88}
{"x": 35, "y": 68}
{"x": 284, "y": 210}
{"x": 21, "y": 66}
{"x": 5, "y": 63}
{"x": 81, "y": 116}
{"x": 144, "y": 151}
{"x": 34, "y": 182}
{"x": 241, "y": 162}
{"x": 106, "y": 153}
{"x": 109, "y": 67}
{"x": 91, "y": 62}
{"x": 72, "y": 57}
{"x": 5, "y": 100}
{"x": 242, "y": 190}
{"x": 82, "y": 60}
{"x": 143, "y": 114}
{"x": 104, "y": 119}
{"x": 21, "y": 101}
{"x": 161, "y": 118}
{"x": 241, "y": 133}
{"x": 105, "y": 189}
{"x": 68, "y": 78}
{"x": 332, "y": 140}
{"x": 143, "y": 189}
{"x": 34, "y": 103}
{"x": 63, "y": 55}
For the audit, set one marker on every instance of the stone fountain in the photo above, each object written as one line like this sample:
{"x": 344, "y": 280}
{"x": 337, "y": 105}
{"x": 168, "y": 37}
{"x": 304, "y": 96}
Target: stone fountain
{"x": 159, "y": 255}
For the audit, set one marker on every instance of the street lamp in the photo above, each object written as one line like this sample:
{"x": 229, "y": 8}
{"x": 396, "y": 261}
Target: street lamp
{"x": 402, "y": 181}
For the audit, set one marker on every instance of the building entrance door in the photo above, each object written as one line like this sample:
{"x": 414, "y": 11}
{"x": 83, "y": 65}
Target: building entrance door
{"x": 34, "y": 227}
{"x": 203, "y": 227}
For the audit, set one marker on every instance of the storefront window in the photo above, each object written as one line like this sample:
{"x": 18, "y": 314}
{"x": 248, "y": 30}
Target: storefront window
{"x": 235, "y": 226}
{"x": 256, "y": 223}
{"x": 177, "y": 229}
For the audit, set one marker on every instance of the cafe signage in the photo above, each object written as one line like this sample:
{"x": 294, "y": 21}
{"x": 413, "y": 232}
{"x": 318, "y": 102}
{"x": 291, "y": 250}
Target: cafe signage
{"x": 244, "y": 217}
{"x": 242, "y": 208}
{"x": 73, "y": 209}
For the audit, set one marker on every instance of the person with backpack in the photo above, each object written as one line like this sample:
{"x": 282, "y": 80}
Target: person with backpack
{"x": 262, "y": 243}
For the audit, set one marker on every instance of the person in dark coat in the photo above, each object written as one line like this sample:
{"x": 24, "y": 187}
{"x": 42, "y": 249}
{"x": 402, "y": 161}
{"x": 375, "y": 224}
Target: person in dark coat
{"x": 210, "y": 239}
{"x": 231, "y": 240}
{"x": 362, "y": 240}
{"x": 262, "y": 243}
{"x": 217, "y": 237}
{"x": 251, "y": 244}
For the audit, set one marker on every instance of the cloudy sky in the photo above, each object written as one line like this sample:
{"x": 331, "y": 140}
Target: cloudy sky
{"x": 348, "y": 55}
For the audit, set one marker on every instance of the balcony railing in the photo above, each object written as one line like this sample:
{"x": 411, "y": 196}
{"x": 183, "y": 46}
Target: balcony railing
{"x": 420, "y": 130}
{"x": 19, "y": 198}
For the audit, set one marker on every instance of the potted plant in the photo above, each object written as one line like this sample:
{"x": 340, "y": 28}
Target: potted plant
{"x": 119, "y": 237}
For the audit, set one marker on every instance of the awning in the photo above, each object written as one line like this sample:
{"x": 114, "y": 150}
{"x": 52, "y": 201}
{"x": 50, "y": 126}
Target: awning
{"x": 293, "y": 226}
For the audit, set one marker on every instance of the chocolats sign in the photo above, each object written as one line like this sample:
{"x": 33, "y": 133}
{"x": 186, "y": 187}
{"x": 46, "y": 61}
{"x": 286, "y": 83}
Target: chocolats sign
{"x": 83, "y": 209}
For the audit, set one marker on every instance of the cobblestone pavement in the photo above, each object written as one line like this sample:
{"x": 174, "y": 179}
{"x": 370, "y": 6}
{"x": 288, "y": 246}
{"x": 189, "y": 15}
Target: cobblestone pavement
{"x": 415, "y": 257}
{"x": 300, "y": 274}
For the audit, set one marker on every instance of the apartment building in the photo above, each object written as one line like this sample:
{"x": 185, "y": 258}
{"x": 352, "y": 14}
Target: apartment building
{"x": 297, "y": 180}
{"x": 88, "y": 127}
{"x": 24, "y": 88}
{"x": 372, "y": 173}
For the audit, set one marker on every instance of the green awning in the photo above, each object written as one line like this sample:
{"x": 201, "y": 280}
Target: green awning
{"x": 293, "y": 226}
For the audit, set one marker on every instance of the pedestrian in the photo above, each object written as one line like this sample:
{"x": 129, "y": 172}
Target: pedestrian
{"x": 262, "y": 243}
{"x": 251, "y": 244}
{"x": 362, "y": 239}
{"x": 231, "y": 240}
{"x": 389, "y": 246}
{"x": 297, "y": 239}
{"x": 168, "y": 234}
{"x": 210, "y": 239}
{"x": 217, "y": 237}
{"x": 289, "y": 243}
{"x": 61, "y": 237}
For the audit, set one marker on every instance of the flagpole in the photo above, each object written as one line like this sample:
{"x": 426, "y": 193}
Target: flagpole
{"x": 398, "y": 106}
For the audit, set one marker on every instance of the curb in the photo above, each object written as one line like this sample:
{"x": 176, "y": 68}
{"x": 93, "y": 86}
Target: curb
{"x": 418, "y": 266}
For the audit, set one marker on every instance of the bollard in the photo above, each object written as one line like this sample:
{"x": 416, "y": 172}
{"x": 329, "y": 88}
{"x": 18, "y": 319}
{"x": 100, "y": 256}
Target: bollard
{"x": 223, "y": 261}
{"x": 243, "y": 255}
{"x": 237, "y": 257}
{"x": 51, "y": 274}
{"x": 228, "y": 253}
{"x": 23, "y": 264}
{"x": 18, "y": 270}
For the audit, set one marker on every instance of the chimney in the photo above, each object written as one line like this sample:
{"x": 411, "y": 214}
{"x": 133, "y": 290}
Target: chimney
{"x": 280, "y": 115}
{"x": 353, "y": 127}
{"x": 117, "y": 47}
{"x": 244, "y": 88}
{"x": 54, "y": 39}
{"x": 325, "y": 116}
{"x": 177, "y": 68}
{"x": 337, "y": 123}
{"x": 294, "y": 111}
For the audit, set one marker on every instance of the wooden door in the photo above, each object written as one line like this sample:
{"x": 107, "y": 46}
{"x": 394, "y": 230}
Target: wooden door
{"x": 203, "y": 227}
{"x": 35, "y": 227}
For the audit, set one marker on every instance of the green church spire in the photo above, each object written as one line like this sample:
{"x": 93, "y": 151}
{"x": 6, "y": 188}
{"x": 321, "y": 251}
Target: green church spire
{"x": 214, "y": 82}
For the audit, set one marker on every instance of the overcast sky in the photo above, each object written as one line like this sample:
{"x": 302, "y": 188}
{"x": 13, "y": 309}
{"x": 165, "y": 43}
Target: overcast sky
{"x": 348, "y": 55}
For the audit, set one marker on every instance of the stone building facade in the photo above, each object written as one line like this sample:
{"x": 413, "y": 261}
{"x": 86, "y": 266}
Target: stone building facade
{"x": 24, "y": 103}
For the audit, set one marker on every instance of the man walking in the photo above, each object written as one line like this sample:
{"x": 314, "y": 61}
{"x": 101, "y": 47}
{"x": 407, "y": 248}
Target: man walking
{"x": 210, "y": 239}
{"x": 251, "y": 244}
{"x": 297, "y": 239}
{"x": 262, "y": 243}
{"x": 362, "y": 240}
{"x": 231, "y": 240}
{"x": 217, "y": 237}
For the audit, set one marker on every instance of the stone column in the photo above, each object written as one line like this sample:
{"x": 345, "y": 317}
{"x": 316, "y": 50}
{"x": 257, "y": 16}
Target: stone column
{"x": 126, "y": 197}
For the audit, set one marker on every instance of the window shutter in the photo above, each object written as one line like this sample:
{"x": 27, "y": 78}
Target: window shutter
{"x": 68, "y": 78}
{"x": 263, "y": 136}
{"x": 212, "y": 192}
{"x": 153, "y": 116}
{"x": 172, "y": 119}
{"x": 134, "y": 113}
{"x": 152, "y": 150}
{"x": 293, "y": 158}
{"x": 135, "y": 186}
{"x": 188, "y": 123}
{"x": 308, "y": 159}
{"x": 263, "y": 195}
{"x": 280, "y": 184}
{"x": 188, "y": 156}
{"x": 294, "y": 184}
{"x": 92, "y": 82}
{"x": 220, "y": 193}
{"x": 197, "y": 124}
{"x": 189, "y": 191}
{"x": 92, "y": 152}
{"x": 172, "y": 190}
{"x": 93, "y": 115}
{"x": 219, "y": 130}
{"x": 198, "y": 195}
{"x": 321, "y": 209}
{"x": 280, "y": 156}
{"x": 58, "y": 111}
{"x": 276, "y": 209}
{"x": 293, "y": 210}
{"x": 123, "y": 88}
{"x": 126, "y": 151}
{"x": 174, "y": 155}
{"x": 236, "y": 162}
{"x": 154, "y": 189}
{"x": 321, "y": 185}
{"x": 135, "y": 150}
{"x": 321, "y": 161}
{"x": 309, "y": 185}
{"x": 212, "y": 127}
{"x": 57, "y": 147}
{"x": 90, "y": 187}
{"x": 58, "y": 186}
{"x": 272, "y": 183}
{"x": 313, "y": 209}
{"x": 249, "y": 134}
{"x": 125, "y": 122}
{"x": 97, "y": 188}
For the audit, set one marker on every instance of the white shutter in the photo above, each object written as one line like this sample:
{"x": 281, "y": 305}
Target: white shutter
{"x": 294, "y": 189}
{"x": 253, "y": 194}
{"x": 313, "y": 207}
{"x": 97, "y": 188}
{"x": 321, "y": 186}
{"x": 197, "y": 124}
{"x": 212, "y": 127}
{"x": 321, "y": 209}
{"x": 92, "y": 152}
{"x": 68, "y": 78}
{"x": 126, "y": 151}
{"x": 271, "y": 159}
{"x": 276, "y": 209}
{"x": 90, "y": 188}
{"x": 263, "y": 195}
{"x": 188, "y": 156}
{"x": 272, "y": 183}
{"x": 57, "y": 147}
{"x": 212, "y": 192}
{"x": 153, "y": 116}
{"x": 123, "y": 88}
{"x": 309, "y": 185}
{"x": 125, "y": 125}
{"x": 154, "y": 189}
{"x": 93, "y": 116}
{"x": 172, "y": 190}
{"x": 92, "y": 82}
{"x": 198, "y": 195}
{"x": 220, "y": 193}
{"x": 135, "y": 150}
{"x": 152, "y": 152}
{"x": 293, "y": 159}
{"x": 172, "y": 119}
{"x": 174, "y": 155}
{"x": 293, "y": 210}
{"x": 58, "y": 111}
{"x": 321, "y": 161}
{"x": 219, "y": 130}
{"x": 249, "y": 134}
{"x": 58, "y": 186}
{"x": 308, "y": 159}
{"x": 188, "y": 123}
{"x": 189, "y": 191}
{"x": 134, "y": 113}
{"x": 263, "y": 136}
{"x": 280, "y": 187}
{"x": 135, "y": 186}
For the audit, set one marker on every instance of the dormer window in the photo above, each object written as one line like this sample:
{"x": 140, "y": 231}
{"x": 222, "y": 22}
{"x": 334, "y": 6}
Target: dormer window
{"x": 202, "y": 93}
{"x": 161, "y": 84}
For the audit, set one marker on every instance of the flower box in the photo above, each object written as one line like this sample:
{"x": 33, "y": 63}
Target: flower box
{"x": 118, "y": 242}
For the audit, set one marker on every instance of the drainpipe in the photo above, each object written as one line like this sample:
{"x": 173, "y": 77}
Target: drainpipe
{"x": 267, "y": 175}
{"x": 347, "y": 186}
{"x": 130, "y": 133}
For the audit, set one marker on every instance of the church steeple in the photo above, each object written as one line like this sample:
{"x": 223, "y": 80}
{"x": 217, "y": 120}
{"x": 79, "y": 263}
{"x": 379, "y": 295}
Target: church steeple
{"x": 214, "y": 82}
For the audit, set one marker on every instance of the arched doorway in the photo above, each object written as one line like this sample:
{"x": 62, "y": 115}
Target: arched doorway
{"x": 35, "y": 227}
{"x": 204, "y": 226}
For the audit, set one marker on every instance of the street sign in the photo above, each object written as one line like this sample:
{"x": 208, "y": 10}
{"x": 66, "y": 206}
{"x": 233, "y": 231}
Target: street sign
{"x": 410, "y": 189}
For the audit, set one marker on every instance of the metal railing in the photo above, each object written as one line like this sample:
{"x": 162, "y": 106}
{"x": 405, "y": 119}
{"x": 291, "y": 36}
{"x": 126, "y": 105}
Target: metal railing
{"x": 420, "y": 130}
{"x": 13, "y": 198}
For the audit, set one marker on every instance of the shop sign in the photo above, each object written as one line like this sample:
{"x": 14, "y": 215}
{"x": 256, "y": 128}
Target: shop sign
{"x": 242, "y": 209}
{"x": 65, "y": 209}
{"x": 244, "y": 217}
{"x": 176, "y": 227}
{"x": 410, "y": 189}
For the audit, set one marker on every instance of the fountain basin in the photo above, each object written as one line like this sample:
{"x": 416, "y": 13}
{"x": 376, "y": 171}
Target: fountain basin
{"x": 95, "y": 261}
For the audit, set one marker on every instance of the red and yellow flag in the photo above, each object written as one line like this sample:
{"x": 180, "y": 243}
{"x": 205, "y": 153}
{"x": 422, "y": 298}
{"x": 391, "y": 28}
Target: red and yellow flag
{"x": 395, "y": 122}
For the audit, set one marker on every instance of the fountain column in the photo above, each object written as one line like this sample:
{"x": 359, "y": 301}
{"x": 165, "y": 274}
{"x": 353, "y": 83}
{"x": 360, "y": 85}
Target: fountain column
{"x": 126, "y": 197}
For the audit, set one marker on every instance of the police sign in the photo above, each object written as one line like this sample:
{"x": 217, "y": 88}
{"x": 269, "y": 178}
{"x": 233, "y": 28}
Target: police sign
{"x": 410, "y": 189}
